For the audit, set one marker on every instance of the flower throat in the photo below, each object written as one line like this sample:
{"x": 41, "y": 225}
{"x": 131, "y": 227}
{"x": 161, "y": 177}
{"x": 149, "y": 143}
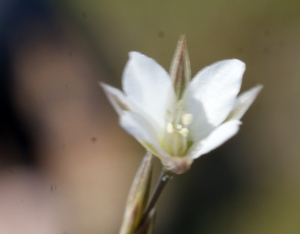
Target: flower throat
{"x": 177, "y": 122}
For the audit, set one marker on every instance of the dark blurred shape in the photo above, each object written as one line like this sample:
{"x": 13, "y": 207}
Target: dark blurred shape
{"x": 15, "y": 136}
{"x": 200, "y": 202}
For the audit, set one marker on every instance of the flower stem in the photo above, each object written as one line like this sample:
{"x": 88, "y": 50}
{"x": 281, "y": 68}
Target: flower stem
{"x": 164, "y": 178}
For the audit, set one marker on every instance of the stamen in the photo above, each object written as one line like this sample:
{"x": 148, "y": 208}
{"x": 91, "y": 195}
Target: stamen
{"x": 177, "y": 122}
{"x": 187, "y": 119}
{"x": 184, "y": 145}
{"x": 184, "y": 132}
{"x": 170, "y": 128}
{"x": 176, "y": 119}
{"x": 180, "y": 104}
{"x": 179, "y": 126}
{"x": 175, "y": 144}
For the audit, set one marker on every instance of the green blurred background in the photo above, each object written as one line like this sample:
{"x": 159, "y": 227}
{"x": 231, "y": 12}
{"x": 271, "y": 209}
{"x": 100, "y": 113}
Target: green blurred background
{"x": 57, "y": 124}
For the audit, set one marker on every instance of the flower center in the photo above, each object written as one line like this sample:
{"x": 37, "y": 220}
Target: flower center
{"x": 177, "y": 131}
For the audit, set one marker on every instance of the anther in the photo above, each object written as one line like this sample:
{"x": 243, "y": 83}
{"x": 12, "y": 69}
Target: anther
{"x": 170, "y": 128}
{"x": 179, "y": 126}
{"x": 184, "y": 132}
{"x": 187, "y": 119}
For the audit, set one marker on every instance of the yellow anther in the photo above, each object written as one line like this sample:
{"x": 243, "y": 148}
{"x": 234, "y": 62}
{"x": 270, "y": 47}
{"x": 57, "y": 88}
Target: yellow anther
{"x": 184, "y": 132}
{"x": 187, "y": 119}
{"x": 170, "y": 128}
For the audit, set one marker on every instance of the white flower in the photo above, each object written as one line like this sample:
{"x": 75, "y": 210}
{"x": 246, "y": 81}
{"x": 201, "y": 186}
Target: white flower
{"x": 179, "y": 126}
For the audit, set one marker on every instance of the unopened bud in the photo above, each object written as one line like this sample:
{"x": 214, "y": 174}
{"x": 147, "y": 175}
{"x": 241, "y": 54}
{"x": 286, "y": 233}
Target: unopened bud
{"x": 180, "y": 70}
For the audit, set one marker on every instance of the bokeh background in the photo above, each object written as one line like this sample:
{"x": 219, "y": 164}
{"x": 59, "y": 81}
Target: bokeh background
{"x": 65, "y": 164}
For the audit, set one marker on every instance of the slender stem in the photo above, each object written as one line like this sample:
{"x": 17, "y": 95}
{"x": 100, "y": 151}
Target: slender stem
{"x": 165, "y": 176}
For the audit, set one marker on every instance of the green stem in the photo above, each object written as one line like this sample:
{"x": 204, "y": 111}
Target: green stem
{"x": 164, "y": 178}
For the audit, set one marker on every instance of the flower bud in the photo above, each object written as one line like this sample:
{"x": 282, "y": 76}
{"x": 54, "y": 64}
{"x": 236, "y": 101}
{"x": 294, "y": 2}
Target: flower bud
{"x": 180, "y": 70}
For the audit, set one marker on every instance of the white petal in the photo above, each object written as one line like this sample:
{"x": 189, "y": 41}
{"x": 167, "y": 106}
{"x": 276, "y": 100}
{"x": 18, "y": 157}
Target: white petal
{"x": 243, "y": 102}
{"x": 149, "y": 86}
{"x": 141, "y": 129}
{"x": 200, "y": 127}
{"x": 215, "y": 139}
{"x": 216, "y": 87}
{"x": 116, "y": 98}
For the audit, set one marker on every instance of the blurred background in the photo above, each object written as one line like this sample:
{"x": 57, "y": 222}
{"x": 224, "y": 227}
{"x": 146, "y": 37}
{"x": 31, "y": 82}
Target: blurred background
{"x": 65, "y": 164}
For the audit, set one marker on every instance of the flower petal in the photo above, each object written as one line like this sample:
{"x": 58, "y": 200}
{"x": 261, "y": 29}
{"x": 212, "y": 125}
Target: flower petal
{"x": 141, "y": 129}
{"x": 149, "y": 86}
{"x": 199, "y": 127}
{"x": 116, "y": 98}
{"x": 216, "y": 87}
{"x": 215, "y": 138}
{"x": 243, "y": 102}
